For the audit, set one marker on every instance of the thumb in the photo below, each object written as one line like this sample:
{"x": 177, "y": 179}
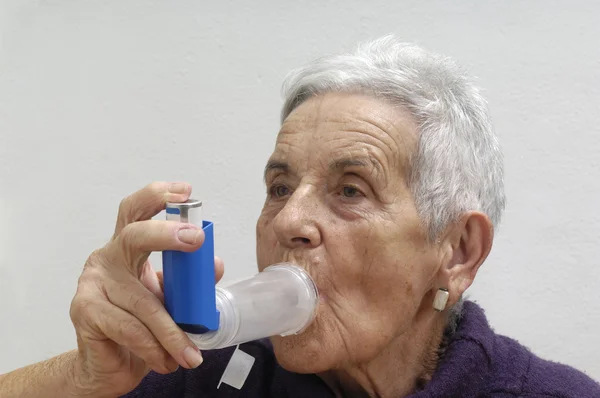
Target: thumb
{"x": 153, "y": 281}
{"x": 219, "y": 269}
{"x": 161, "y": 282}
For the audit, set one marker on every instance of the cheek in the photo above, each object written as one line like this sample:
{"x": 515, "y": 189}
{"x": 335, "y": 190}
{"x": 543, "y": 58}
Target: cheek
{"x": 374, "y": 277}
{"x": 262, "y": 224}
{"x": 394, "y": 276}
{"x": 377, "y": 292}
{"x": 366, "y": 302}
{"x": 266, "y": 241}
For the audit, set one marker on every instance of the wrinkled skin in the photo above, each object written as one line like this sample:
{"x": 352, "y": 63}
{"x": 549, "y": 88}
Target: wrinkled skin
{"x": 123, "y": 329}
{"x": 338, "y": 204}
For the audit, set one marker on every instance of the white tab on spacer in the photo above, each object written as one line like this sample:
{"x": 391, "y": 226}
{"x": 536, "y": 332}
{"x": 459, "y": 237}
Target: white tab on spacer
{"x": 237, "y": 370}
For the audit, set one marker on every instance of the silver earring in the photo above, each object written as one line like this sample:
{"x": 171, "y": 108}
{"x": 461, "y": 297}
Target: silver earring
{"x": 441, "y": 299}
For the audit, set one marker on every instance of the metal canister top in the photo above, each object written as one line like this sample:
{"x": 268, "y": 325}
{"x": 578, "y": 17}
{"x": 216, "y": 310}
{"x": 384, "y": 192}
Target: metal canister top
{"x": 183, "y": 209}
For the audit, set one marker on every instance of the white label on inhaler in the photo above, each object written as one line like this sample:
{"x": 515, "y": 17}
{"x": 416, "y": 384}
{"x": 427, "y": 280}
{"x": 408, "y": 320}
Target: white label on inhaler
{"x": 237, "y": 369}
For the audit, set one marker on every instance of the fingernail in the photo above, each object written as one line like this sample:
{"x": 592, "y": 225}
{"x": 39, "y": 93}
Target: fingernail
{"x": 178, "y": 187}
{"x": 189, "y": 236}
{"x": 192, "y": 357}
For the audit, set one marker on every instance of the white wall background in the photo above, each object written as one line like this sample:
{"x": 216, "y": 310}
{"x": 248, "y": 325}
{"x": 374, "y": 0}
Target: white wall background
{"x": 99, "y": 98}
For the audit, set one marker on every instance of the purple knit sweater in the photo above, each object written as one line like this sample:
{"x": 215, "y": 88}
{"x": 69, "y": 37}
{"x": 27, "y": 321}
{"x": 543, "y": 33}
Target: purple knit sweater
{"x": 476, "y": 363}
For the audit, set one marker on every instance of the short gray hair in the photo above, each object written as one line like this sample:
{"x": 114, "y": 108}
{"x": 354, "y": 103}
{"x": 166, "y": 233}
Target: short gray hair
{"x": 458, "y": 165}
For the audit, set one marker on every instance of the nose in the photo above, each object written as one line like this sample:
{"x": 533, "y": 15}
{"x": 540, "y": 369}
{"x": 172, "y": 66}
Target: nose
{"x": 296, "y": 223}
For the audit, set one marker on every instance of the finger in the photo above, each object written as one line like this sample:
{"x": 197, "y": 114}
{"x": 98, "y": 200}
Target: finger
{"x": 151, "y": 281}
{"x": 219, "y": 269}
{"x": 149, "y": 201}
{"x": 127, "y": 331}
{"x": 134, "y": 298}
{"x": 161, "y": 280}
{"x": 134, "y": 244}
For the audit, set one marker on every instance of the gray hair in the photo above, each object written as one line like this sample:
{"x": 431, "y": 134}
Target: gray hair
{"x": 458, "y": 165}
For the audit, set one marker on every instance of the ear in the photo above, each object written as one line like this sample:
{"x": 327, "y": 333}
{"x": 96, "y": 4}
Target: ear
{"x": 466, "y": 245}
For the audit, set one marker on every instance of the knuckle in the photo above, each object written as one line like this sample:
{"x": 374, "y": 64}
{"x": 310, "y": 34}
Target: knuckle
{"x": 128, "y": 236}
{"x": 148, "y": 233}
{"x": 139, "y": 337}
{"x": 164, "y": 228}
{"x": 97, "y": 257}
{"x": 74, "y": 310}
{"x": 173, "y": 336}
{"x": 125, "y": 206}
{"x": 144, "y": 305}
{"x": 88, "y": 277}
{"x": 128, "y": 210}
{"x": 94, "y": 269}
{"x": 125, "y": 251}
{"x": 89, "y": 281}
{"x": 81, "y": 306}
{"x": 135, "y": 332}
{"x": 157, "y": 188}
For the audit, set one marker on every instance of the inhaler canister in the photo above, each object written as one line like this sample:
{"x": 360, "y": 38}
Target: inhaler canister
{"x": 189, "y": 278}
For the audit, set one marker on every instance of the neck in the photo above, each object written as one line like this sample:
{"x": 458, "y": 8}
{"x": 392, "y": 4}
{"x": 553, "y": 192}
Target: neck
{"x": 400, "y": 368}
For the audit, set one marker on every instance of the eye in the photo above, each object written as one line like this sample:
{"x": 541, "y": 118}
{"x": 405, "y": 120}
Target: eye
{"x": 350, "y": 191}
{"x": 279, "y": 190}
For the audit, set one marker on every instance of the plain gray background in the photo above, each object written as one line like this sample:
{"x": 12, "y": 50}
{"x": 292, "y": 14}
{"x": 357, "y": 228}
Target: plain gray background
{"x": 99, "y": 98}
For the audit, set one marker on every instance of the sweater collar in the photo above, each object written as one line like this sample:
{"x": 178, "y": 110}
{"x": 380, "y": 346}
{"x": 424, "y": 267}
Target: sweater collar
{"x": 466, "y": 363}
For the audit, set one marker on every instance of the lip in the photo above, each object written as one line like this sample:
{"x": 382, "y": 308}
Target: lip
{"x": 321, "y": 291}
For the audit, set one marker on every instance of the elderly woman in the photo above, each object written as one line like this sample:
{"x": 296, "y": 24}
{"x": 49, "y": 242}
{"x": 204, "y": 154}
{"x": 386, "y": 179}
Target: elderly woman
{"x": 386, "y": 185}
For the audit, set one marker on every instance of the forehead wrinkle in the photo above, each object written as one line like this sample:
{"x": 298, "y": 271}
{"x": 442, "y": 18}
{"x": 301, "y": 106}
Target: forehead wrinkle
{"x": 390, "y": 126}
{"x": 396, "y": 130}
{"x": 403, "y": 131}
{"x": 398, "y": 147}
{"x": 365, "y": 153}
{"x": 310, "y": 120}
{"x": 381, "y": 156}
{"x": 279, "y": 160}
{"x": 365, "y": 150}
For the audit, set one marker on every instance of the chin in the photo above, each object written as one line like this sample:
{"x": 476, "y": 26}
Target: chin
{"x": 303, "y": 353}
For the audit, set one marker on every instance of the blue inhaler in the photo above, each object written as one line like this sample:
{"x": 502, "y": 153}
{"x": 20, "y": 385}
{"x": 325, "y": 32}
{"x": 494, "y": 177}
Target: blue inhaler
{"x": 280, "y": 300}
{"x": 189, "y": 278}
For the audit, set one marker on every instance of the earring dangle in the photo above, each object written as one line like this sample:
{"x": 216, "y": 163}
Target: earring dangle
{"x": 441, "y": 299}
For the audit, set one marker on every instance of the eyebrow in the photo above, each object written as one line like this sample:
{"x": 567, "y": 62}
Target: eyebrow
{"x": 341, "y": 164}
{"x": 344, "y": 163}
{"x": 334, "y": 166}
{"x": 275, "y": 165}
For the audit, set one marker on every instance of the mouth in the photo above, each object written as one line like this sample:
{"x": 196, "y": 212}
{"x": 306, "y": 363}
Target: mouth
{"x": 308, "y": 267}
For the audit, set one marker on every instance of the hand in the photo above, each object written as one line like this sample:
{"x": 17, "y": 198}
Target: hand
{"x": 123, "y": 329}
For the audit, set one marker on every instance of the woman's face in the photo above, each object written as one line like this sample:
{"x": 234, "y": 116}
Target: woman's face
{"x": 339, "y": 206}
